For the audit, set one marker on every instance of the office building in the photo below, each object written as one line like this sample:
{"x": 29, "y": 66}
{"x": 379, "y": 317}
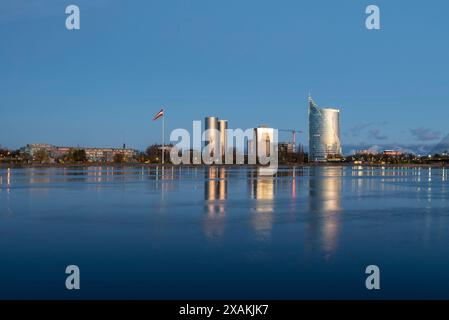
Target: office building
{"x": 265, "y": 139}
{"x": 92, "y": 154}
{"x": 324, "y": 133}
{"x": 216, "y": 136}
{"x": 286, "y": 147}
{"x": 212, "y": 137}
{"x": 222, "y": 127}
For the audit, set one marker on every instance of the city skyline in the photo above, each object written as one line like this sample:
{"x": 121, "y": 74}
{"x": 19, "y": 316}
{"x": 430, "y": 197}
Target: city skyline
{"x": 100, "y": 85}
{"x": 224, "y": 158}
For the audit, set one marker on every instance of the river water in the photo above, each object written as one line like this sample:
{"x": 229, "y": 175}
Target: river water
{"x": 224, "y": 233}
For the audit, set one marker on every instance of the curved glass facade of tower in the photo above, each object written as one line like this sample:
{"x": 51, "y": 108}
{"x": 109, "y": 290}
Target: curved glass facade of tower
{"x": 324, "y": 132}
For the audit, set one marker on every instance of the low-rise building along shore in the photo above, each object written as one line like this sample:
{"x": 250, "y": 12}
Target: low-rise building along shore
{"x": 92, "y": 154}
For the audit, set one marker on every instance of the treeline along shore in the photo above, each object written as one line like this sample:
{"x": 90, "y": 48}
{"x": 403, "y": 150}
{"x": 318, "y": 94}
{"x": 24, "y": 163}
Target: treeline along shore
{"x": 47, "y": 156}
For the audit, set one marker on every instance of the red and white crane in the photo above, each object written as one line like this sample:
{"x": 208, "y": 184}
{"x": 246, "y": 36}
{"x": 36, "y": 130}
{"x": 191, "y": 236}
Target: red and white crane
{"x": 294, "y": 132}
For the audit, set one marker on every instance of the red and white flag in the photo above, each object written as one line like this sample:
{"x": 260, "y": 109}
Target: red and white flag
{"x": 158, "y": 115}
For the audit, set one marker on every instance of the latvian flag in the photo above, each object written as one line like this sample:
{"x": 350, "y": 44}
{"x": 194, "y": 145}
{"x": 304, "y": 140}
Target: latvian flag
{"x": 158, "y": 115}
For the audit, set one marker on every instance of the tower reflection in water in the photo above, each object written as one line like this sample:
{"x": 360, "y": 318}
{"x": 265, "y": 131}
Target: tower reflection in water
{"x": 325, "y": 186}
{"x": 215, "y": 194}
{"x": 262, "y": 185}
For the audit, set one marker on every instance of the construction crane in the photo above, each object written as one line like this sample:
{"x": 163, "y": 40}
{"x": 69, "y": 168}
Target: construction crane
{"x": 294, "y": 132}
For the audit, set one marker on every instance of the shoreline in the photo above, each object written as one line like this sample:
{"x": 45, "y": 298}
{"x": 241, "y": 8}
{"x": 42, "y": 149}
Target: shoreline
{"x": 150, "y": 165}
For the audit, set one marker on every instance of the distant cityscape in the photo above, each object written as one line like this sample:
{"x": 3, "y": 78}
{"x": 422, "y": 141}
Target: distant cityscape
{"x": 324, "y": 146}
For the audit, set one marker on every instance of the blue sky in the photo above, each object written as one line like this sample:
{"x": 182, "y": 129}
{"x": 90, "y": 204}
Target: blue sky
{"x": 251, "y": 62}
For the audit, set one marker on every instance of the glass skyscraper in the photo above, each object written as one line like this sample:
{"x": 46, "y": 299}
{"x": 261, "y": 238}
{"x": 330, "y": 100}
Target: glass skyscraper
{"x": 324, "y": 132}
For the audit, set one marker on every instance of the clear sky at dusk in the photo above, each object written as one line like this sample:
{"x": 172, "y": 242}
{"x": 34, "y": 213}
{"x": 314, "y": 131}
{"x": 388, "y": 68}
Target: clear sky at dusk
{"x": 251, "y": 62}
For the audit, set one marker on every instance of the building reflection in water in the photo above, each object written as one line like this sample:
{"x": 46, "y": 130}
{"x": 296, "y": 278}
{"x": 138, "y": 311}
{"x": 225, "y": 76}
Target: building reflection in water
{"x": 262, "y": 186}
{"x": 5, "y": 184}
{"x": 215, "y": 194}
{"x": 325, "y": 186}
{"x": 161, "y": 178}
{"x": 293, "y": 183}
{"x": 7, "y": 179}
{"x": 40, "y": 177}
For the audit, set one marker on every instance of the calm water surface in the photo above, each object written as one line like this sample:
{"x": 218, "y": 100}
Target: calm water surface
{"x": 224, "y": 233}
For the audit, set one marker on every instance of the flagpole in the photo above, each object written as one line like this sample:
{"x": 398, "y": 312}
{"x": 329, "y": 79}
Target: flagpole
{"x": 163, "y": 142}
